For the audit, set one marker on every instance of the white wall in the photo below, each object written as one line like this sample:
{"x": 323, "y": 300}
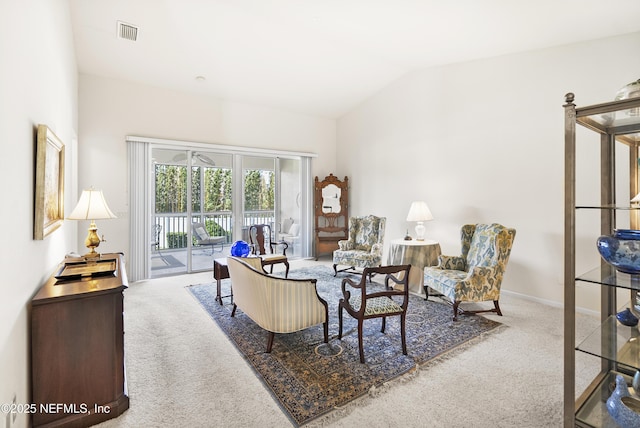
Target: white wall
{"x": 483, "y": 141}
{"x": 113, "y": 109}
{"x": 38, "y": 85}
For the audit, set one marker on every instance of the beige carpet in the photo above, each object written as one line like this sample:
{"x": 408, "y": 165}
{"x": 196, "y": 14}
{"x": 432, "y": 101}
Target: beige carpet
{"x": 182, "y": 371}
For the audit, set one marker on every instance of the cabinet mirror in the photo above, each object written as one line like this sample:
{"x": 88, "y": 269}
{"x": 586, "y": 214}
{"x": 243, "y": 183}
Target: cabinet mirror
{"x": 331, "y": 199}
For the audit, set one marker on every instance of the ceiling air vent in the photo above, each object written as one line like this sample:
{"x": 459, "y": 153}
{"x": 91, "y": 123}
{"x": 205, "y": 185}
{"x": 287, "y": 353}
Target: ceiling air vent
{"x": 127, "y": 31}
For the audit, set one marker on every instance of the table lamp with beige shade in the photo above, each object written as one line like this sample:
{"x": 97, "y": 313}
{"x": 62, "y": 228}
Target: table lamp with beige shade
{"x": 92, "y": 206}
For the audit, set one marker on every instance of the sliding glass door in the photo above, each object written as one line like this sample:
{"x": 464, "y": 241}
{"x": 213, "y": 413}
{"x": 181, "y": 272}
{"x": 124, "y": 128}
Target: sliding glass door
{"x": 204, "y": 200}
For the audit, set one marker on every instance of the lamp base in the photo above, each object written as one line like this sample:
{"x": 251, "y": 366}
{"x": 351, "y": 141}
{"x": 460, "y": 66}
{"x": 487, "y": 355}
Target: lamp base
{"x": 91, "y": 255}
{"x": 420, "y": 231}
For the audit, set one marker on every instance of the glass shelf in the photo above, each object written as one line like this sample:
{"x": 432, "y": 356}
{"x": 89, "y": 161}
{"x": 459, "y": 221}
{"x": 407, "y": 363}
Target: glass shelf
{"x": 619, "y": 118}
{"x": 607, "y": 275}
{"x": 607, "y": 207}
{"x": 593, "y": 413}
{"x": 614, "y": 342}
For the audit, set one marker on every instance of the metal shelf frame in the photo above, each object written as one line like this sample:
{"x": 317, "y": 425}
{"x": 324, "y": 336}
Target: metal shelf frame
{"x": 616, "y": 122}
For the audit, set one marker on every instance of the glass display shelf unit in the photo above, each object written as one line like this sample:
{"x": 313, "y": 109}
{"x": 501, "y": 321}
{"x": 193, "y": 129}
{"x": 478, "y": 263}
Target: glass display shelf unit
{"x": 593, "y": 412}
{"x": 615, "y": 342}
{"x": 607, "y": 275}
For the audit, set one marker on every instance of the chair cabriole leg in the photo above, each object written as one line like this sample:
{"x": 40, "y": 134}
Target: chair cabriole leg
{"x": 497, "y": 306}
{"x": 360, "y": 346}
{"x": 340, "y": 320}
{"x": 403, "y": 333}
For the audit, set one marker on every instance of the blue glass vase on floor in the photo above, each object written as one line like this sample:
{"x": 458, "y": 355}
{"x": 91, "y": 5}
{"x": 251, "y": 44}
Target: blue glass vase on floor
{"x": 627, "y": 318}
{"x": 621, "y": 250}
{"x": 623, "y": 408}
{"x": 240, "y": 249}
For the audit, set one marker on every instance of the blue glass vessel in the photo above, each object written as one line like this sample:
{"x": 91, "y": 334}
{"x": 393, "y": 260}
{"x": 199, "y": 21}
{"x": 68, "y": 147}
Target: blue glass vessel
{"x": 621, "y": 250}
{"x": 240, "y": 249}
{"x": 624, "y": 409}
{"x": 627, "y": 318}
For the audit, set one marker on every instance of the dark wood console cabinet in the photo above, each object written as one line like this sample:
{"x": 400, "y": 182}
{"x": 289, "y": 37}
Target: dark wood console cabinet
{"x": 77, "y": 348}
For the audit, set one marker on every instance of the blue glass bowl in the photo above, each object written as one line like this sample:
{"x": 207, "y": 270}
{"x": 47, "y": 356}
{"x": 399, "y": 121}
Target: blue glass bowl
{"x": 240, "y": 249}
{"x": 621, "y": 250}
{"x": 627, "y": 318}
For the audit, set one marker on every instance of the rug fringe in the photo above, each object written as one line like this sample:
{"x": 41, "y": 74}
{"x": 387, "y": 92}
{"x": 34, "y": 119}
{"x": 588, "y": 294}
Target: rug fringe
{"x": 375, "y": 392}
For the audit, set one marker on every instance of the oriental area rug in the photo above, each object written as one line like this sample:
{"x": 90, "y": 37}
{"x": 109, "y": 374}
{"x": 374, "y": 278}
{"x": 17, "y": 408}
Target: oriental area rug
{"x": 309, "y": 378}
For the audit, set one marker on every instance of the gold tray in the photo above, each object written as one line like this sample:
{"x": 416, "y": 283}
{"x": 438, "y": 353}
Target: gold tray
{"x": 86, "y": 269}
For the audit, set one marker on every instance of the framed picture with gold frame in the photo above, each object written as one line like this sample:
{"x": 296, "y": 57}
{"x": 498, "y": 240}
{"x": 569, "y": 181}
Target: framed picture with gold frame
{"x": 49, "y": 197}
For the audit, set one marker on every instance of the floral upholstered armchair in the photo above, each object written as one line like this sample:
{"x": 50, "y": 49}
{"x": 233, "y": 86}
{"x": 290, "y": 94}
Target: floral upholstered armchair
{"x": 476, "y": 275}
{"x": 364, "y": 247}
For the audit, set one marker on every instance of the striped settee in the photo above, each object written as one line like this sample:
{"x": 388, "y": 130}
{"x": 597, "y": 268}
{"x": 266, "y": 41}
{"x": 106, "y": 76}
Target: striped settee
{"x": 278, "y": 305}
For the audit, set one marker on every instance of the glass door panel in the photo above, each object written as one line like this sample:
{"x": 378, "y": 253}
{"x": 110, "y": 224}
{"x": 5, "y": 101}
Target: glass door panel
{"x": 289, "y": 191}
{"x": 169, "y": 231}
{"x": 258, "y": 196}
{"x": 211, "y": 208}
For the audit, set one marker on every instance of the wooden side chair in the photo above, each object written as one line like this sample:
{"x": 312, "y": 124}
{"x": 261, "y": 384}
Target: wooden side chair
{"x": 263, "y": 246}
{"x": 363, "y": 305}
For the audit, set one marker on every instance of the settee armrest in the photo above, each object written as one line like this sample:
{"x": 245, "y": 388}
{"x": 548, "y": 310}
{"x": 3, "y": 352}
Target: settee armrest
{"x": 451, "y": 262}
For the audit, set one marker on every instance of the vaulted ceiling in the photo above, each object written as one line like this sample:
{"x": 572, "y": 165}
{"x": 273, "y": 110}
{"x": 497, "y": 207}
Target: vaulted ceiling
{"x": 321, "y": 57}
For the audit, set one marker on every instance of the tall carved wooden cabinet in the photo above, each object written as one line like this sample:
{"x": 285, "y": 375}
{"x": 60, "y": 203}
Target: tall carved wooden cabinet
{"x": 331, "y": 199}
{"x": 77, "y": 345}
{"x": 615, "y": 131}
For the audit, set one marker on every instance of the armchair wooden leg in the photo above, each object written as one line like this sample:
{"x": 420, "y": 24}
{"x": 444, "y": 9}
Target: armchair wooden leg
{"x": 286, "y": 271}
{"x": 339, "y": 320}
{"x": 326, "y": 331}
{"x": 403, "y": 333}
{"x": 270, "y": 341}
{"x": 384, "y": 324}
{"x": 335, "y": 269}
{"x": 426, "y": 292}
{"x": 455, "y": 310}
{"x": 498, "y": 311}
{"x": 233, "y": 312}
{"x": 360, "y": 346}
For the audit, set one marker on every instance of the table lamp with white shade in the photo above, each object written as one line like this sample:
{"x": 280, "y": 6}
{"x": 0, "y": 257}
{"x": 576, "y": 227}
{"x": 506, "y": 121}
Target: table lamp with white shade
{"x": 419, "y": 212}
{"x": 92, "y": 206}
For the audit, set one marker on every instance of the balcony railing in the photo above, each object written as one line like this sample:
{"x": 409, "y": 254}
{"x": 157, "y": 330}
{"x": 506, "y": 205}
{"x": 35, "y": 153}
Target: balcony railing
{"x": 175, "y": 227}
